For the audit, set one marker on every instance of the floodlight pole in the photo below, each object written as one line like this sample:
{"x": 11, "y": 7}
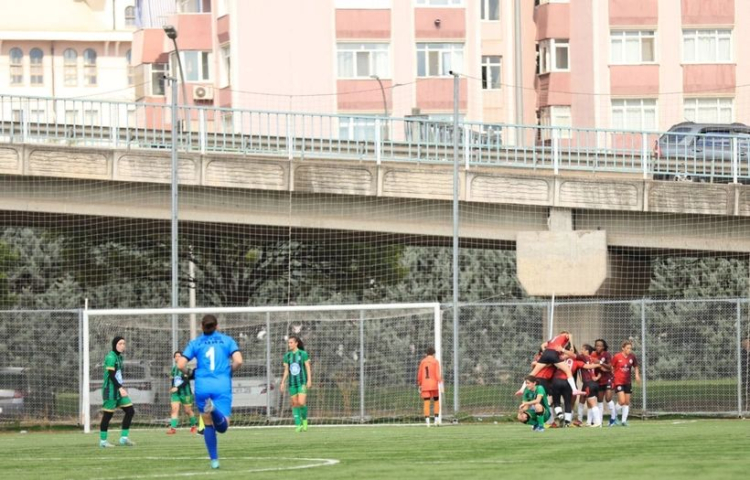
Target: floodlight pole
{"x": 171, "y": 33}
{"x": 174, "y": 215}
{"x": 456, "y": 192}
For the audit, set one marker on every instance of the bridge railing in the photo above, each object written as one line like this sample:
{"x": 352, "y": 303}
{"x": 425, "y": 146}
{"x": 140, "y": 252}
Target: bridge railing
{"x": 106, "y": 124}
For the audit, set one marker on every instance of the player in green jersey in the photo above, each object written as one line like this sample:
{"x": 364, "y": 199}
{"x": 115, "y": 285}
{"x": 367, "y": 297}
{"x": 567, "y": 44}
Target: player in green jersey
{"x": 298, "y": 378}
{"x": 180, "y": 394}
{"x": 115, "y": 396}
{"x": 535, "y": 407}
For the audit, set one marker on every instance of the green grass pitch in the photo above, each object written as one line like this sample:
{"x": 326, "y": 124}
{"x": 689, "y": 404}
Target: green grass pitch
{"x": 665, "y": 449}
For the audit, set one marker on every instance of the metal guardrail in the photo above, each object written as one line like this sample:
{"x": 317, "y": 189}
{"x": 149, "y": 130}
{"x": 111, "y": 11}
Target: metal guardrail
{"x": 107, "y": 124}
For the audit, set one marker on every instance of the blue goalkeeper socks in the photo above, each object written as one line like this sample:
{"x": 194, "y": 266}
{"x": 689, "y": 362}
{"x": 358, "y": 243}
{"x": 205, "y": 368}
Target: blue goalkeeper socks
{"x": 220, "y": 421}
{"x": 212, "y": 444}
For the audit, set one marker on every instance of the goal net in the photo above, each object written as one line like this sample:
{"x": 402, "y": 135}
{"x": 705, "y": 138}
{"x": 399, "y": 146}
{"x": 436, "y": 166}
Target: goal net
{"x": 364, "y": 359}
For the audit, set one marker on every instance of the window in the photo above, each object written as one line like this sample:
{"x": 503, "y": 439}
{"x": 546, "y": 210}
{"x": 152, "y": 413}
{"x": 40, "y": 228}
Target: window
{"x": 632, "y": 47}
{"x": 360, "y": 60}
{"x": 89, "y": 67}
{"x": 557, "y": 116}
{"x": 227, "y": 122}
{"x": 706, "y": 46}
{"x": 357, "y": 128}
{"x": 440, "y": 3}
{"x": 553, "y": 56}
{"x": 128, "y": 58}
{"x": 37, "y": 116}
{"x": 225, "y": 70}
{"x": 438, "y": 59}
{"x": 709, "y": 110}
{"x": 158, "y": 70}
{"x": 196, "y": 64}
{"x": 490, "y": 10}
{"x": 36, "y": 70}
{"x": 71, "y": 117}
{"x": 91, "y": 117}
{"x": 70, "y": 67}
{"x": 194, "y": 6}
{"x": 363, "y": 4}
{"x": 129, "y": 16}
{"x": 490, "y": 72}
{"x": 16, "y": 66}
{"x": 634, "y": 114}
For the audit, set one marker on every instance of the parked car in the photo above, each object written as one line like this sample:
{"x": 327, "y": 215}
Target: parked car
{"x": 138, "y": 381}
{"x": 251, "y": 389}
{"x": 14, "y": 390}
{"x": 701, "y": 152}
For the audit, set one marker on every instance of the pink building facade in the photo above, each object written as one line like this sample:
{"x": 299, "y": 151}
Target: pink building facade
{"x": 348, "y": 57}
{"x": 641, "y": 64}
{"x": 620, "y": 64}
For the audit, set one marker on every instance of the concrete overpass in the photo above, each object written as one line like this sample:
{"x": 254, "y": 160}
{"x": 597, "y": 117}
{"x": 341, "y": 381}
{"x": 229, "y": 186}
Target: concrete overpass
{"x": 565, "y": 222}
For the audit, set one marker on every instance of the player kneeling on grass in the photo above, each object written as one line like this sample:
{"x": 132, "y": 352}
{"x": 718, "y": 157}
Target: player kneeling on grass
{"x": 115, "y": 396}
{"x": 298, "y": 377}
{"x": 430, "y": 383}
{"x": 218, "y": 356}
{"x": 180, "y": 394}
{"x": 535, "y": 407}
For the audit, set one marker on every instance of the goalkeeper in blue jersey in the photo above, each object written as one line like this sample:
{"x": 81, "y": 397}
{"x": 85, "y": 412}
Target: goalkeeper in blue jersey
{"x": 218, "y": 356}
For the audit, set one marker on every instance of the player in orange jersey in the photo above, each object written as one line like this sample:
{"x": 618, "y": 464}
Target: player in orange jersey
{"x": 430, "y": 384}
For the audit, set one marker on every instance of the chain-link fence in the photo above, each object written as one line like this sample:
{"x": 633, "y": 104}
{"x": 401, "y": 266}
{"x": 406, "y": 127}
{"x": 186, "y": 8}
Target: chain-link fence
{"x": 40, "y": 366}
{"x": 693, "y": 358}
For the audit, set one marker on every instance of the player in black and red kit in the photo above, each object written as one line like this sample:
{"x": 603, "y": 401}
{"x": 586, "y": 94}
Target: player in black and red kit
{"x": 605, "y": 395}
{"x": 623, "y": 365}
{"x": 590, "y": 378}
{"x": 544, "y": 377}
{"x": 552, "y": 355}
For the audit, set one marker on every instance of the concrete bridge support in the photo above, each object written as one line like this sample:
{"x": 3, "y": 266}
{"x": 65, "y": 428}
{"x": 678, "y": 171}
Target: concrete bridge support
{"x": 564, "y": 262}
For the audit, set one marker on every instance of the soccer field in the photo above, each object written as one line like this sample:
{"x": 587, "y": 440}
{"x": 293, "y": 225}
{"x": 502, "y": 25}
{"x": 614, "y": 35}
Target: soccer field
{"x": 705, "y": 449}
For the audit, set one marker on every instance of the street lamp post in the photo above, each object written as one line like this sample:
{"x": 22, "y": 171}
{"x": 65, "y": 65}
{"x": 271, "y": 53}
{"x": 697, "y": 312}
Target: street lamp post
{"x": 385, "y": 107}
{"x": 172, "y": 35}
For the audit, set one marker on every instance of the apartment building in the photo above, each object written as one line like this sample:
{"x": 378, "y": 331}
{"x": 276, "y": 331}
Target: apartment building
{"x": 358, "y": 57}
{"x": 66, "y": 49}
{"x": 621, "y": 64}
{"x": 641, "y": 64}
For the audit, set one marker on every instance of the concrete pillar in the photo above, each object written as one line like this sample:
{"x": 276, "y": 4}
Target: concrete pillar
{"x": 560, "y": 219}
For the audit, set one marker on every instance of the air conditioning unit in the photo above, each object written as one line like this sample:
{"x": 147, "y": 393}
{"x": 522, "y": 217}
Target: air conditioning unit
{"x": 203, "y": 92}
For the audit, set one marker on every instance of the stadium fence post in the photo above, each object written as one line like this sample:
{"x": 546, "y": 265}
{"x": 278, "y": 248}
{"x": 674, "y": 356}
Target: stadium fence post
{"x": 439, "y": 356}
{"x": 551, "y": 317}
{"x": 362, "y": 366}
{"x": 643, "y": 357}
{"x": 739, "y": 357}
{"x": 85, "y": 394}
{"x": 269, "y": 385}
{"x": 456, "y": 194}
{"x": 80, "y": 364}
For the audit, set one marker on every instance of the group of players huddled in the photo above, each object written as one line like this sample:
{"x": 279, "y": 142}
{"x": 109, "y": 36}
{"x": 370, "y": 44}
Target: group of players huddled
{"x": 217, "y": 357}
{"x": 553, "y": 377}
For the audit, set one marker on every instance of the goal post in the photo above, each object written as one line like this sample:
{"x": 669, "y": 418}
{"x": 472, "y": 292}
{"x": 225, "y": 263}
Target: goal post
{"x": 364, "y": 359}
